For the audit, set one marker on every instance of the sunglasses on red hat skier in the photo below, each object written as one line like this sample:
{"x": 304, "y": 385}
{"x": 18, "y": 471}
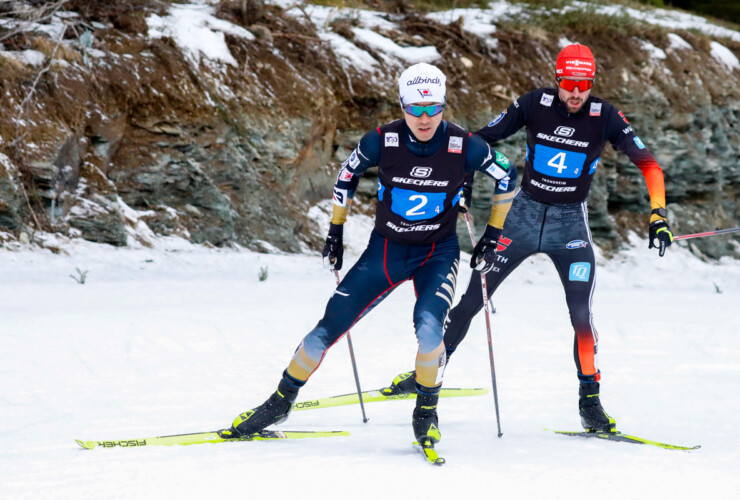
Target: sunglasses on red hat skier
{"x": 417, "y": 111}
{"x": 571, "y": 85}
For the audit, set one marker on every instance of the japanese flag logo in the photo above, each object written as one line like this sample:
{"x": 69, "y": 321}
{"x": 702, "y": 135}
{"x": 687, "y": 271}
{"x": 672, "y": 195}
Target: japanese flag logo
{"x": 425, "y": 92}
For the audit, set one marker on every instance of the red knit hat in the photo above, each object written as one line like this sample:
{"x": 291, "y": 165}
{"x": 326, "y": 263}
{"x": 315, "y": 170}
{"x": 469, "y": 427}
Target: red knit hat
{"x": 574, "y": 62}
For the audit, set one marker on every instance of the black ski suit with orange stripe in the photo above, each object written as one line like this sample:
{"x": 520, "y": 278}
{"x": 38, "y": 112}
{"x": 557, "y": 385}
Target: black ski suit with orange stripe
{"x": 549, "y": 212}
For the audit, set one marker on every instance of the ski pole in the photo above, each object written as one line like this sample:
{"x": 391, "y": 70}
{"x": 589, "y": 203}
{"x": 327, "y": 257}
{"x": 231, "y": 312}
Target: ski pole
{"x": 484, "y": 289}
{"x": 708, "y": 233}
{"x": 354, "y": 364}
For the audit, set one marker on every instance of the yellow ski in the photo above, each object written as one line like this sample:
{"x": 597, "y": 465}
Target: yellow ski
{"x": 376, "y": 396}
{"x": 427, "y": 449}
{"x": 206, "y": 437}
{"x": 625, "y": 438}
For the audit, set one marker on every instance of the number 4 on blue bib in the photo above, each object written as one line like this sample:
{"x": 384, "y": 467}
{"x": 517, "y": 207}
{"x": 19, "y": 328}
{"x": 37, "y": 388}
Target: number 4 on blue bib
{"x": 555, "y": 162}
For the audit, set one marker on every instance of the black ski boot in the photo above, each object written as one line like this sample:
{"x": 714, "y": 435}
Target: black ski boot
{"x": 593, "y": 416}
{"x": 273, "y": 411}
{"x": 424, "y": 420}
{"x": 405, "y": 383}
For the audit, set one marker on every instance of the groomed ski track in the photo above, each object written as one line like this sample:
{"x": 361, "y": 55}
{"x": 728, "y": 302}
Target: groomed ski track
{"x": 178, "y": 338}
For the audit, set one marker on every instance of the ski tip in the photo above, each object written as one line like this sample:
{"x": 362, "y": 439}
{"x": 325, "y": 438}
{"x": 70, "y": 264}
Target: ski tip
{"x": 88, "y": 445}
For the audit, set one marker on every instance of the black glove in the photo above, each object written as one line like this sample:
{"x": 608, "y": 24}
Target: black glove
{"x": 484, "y": 253}
{"x": 465, "y": 199}
{"x": 334, "y": 248}
{"x": 660, "y": 235}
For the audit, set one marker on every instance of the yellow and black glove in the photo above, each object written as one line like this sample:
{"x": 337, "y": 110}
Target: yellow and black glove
{"x": 661, "y": 235}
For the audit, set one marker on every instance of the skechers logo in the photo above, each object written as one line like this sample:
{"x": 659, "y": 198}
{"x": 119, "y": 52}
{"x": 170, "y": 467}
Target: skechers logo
{"x": 565, "y": 131}
{"x": 562, "y": 140}
{"x": 425, "y": 227}
{"x": 553, "y": 189}
{"x": 420, "y": 182}
{"x": 421, "y": 172}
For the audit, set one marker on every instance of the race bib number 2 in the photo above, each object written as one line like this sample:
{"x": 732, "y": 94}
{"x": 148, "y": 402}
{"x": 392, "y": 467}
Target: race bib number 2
{"x": 413, "y": 205}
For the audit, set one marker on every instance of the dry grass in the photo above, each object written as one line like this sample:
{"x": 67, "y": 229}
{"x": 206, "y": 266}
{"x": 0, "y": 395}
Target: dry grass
{"x": 47, "y": 47}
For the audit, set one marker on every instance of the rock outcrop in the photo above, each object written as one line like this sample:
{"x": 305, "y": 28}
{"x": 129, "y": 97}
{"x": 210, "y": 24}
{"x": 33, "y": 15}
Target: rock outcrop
{"x": 117, "y": 122}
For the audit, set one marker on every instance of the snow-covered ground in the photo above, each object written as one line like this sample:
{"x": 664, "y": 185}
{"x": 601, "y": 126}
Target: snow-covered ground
{"x": 180, "y": 339}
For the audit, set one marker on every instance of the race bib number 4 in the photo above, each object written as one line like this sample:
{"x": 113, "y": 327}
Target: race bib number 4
{"x": 555, "y": 162}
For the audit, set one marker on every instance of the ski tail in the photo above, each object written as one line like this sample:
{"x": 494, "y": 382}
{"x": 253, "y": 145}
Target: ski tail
{"x": 625, "y": 438}
{"x": 426, "y": 447}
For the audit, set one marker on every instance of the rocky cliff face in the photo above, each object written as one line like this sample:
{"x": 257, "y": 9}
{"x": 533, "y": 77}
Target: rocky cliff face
{"x": 123, "y": 127}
